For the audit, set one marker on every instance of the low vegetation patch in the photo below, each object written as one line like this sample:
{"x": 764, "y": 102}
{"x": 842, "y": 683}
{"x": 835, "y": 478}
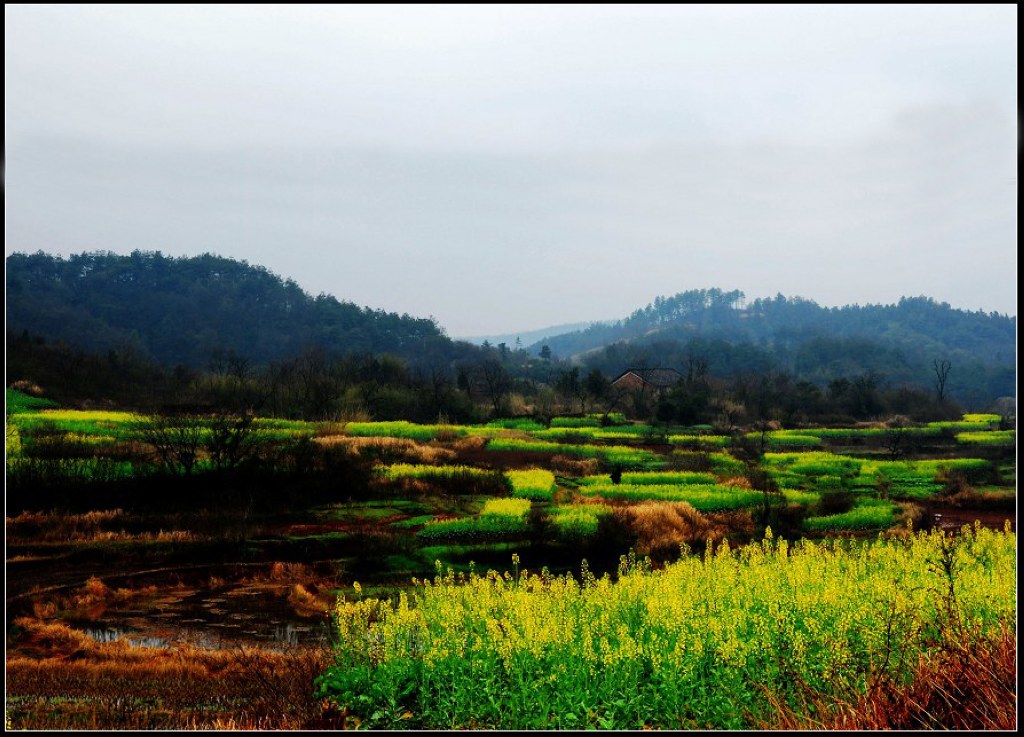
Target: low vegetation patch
{"x": 536, "y": 483}
{"x": 720, "y": 642}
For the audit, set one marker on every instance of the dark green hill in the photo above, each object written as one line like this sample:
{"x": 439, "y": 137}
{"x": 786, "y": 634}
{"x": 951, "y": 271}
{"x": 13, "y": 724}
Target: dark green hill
{"x": 188, "y": 310}
{"x": 897, "y": 343}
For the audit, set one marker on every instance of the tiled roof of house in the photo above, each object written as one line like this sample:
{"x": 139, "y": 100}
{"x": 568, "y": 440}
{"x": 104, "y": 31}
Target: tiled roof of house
{"x": 656, "y": 377}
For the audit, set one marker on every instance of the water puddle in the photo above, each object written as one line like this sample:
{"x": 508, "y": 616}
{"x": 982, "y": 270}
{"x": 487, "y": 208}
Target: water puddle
{"x": 211, "y": 620}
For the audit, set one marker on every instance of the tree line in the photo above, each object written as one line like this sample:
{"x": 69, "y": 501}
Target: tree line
{"x": 495, "y": 381}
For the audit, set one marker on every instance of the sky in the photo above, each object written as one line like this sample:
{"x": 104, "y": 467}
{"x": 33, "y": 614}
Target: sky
{"x": 506, "y": 168}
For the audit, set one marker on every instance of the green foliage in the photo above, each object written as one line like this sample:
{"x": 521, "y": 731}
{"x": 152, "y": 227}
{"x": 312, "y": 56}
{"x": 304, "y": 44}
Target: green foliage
{"x": 574, "y": 523}
{"x": 906, "y": 479}
{"x": 701, "y": 441}
{"x": 575, "y": 422}
{"x": 499, "y": 518}
{"x": 777, "y": 439}
{"x": 956, "y": 426}
{"x": 18, "y": 402}
{"x": 12, "y": 441}
{"x": 536, "y": 483}
{"x": 643, "y": 478}
{"x": 713, "y": 643}
{"x": 994, "y": 438}
{"x": 990, "y": 418}
{"x": 612, "y": 419}
{"x": 868, "y": 514}
{"x": 120, "y": 425}
{"x": 703, "y": 497}
{"x": 402, "y": 429}
{"x": 416, "y": 471}
{"x": 183, "y": 310}
{"x": 525, "y": 424}
{"x": 612, "y": 453}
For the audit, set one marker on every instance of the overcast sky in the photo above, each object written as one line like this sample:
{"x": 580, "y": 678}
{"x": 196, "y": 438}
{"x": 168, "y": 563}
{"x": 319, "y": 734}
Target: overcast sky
{"x": 508, "y": 168}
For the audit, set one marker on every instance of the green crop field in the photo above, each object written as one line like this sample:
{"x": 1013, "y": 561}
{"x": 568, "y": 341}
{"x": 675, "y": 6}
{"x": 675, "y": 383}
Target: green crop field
{"x": 717, "y": 642}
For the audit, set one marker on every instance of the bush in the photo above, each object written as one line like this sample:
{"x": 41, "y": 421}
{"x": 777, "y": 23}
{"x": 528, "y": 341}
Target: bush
{"x": 835, "y": 502}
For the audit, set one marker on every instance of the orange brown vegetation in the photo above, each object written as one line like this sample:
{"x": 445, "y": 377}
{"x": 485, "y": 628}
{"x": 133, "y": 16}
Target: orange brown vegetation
{"x": 388, "y": 450}
{"x": 56, "y": 527}
{"x": 662, "y": 527}
{"x": 575, "y": 466}
{"x": 969, "y": 685}
{"x": 60, "y": 678}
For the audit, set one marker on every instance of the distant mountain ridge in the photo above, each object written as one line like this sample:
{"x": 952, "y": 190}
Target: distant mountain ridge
{"x": 897, "y": 342}
{"x": 527, "y": 337}
{"x": 183, "y": 310}
{"x": 188, "y": 310}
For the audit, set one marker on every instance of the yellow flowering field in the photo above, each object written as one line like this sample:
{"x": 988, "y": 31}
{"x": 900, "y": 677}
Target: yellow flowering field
{"x": 719, "y": 641}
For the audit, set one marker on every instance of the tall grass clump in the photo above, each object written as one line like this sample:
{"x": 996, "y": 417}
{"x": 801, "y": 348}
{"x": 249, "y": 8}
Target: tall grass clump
{"x": 724, "y": 641}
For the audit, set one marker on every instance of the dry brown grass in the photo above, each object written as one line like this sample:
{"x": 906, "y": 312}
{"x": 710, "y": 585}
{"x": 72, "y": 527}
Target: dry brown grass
{"x": 60, "y": 678}
{"x": 389, "y": 450}
{"x": 90, "y": 601}
{"x": 306, "y": 602}
{"x": 57, "y": 527}
{"x": 575, "y": 466}
{"x": 740, "y": 482}
{"x": 662, "y": 527}
{"x": 28, "y": 387}
{"x": 469, "y": 444}
{"x": 969, "y": 685}
{"x": 281, "y": 571}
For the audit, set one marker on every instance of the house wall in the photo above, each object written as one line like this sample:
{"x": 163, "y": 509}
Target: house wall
{"x": 630, "y": 382}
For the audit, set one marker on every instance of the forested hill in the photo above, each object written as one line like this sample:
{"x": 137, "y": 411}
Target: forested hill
{"x": 187, "y": 310}
{"x": 897, "y": 342}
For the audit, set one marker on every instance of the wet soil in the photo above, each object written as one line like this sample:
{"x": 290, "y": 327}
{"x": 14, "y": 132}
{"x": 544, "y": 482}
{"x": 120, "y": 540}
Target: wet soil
{"x": 953, "y": 518}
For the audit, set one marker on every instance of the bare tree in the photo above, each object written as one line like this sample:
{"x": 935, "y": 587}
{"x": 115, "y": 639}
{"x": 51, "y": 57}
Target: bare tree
{"x": 230, "y": 441}
{"x": 896, "y": 436}
{"x": 941, "y": 369}
{"x": 497, "y": 383}
{"x": 176, "y": 440}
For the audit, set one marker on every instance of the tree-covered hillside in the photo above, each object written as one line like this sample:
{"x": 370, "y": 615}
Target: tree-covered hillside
{"x": 189, "y": 310}
{"x": 899, "y": 343}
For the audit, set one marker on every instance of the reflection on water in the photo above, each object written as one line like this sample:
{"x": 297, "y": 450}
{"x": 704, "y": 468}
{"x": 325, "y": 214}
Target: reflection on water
{"x": 221, "y": 619}
{"x": 114, "y": 634}
{"x": 282, "y": 635}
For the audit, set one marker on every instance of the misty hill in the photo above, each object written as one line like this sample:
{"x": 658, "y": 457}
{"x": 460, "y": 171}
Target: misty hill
{"x": 186, "y": 310}
{"x": 527, "y": 337}
{"x": 897, "y": 343}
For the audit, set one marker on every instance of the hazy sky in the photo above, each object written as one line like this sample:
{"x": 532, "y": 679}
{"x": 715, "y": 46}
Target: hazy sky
{"x": 507, "y": 168}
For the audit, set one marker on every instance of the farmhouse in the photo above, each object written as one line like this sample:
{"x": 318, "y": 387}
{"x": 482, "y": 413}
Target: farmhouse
{"x": 647, "y": 380}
